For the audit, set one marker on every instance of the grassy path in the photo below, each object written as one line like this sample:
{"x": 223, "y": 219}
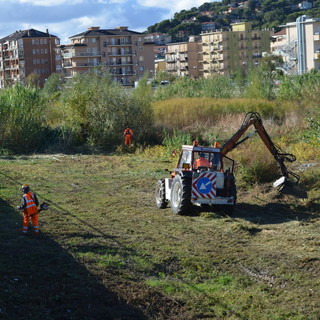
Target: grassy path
{"x": 106, "y": 252}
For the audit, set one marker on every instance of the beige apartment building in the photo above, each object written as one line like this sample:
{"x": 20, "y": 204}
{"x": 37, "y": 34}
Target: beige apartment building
{"x": 125, "y": 54}
{"x": 25, "y": 52}
{"x": 226, "y": 52}
{"x": 182, "y": 58}
{"x": 299, "y": 45}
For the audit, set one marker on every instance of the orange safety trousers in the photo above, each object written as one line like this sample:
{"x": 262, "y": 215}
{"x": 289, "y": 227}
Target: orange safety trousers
{"x": 34, "y": 219}
{"x": 30, "y": 211}
{"x": 128, "y": 139}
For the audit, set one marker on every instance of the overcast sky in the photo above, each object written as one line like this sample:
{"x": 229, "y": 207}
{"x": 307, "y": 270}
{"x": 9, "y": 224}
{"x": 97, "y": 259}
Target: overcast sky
{"x": 64, "y": 18}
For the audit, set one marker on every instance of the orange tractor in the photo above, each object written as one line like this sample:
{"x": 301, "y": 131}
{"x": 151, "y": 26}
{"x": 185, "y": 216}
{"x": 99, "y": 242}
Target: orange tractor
{"x": 204, "y": 176}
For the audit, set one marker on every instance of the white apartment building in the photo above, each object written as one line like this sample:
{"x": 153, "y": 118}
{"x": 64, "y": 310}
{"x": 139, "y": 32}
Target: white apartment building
{"x": 299, "y": 45}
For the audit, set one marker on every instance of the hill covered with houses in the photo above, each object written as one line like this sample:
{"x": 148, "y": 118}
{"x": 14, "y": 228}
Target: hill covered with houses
{"x": 264, "y": 14}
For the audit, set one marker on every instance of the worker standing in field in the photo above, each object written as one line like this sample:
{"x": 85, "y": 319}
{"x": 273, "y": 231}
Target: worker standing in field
{"x": 128, "y": 136}
{"x": 29, "y": 206}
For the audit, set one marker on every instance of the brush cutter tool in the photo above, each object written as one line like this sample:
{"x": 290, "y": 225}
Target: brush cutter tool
{"x": 43, "y": 206}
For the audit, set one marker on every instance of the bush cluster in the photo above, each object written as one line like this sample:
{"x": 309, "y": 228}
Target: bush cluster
{"x": 91, "y": 111}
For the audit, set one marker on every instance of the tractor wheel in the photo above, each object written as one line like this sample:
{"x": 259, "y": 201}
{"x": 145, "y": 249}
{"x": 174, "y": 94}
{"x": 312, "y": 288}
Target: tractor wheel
{"x": 161, "y": 201}
{"x": 181, "y": 195}
{"x": 229, "y": 209}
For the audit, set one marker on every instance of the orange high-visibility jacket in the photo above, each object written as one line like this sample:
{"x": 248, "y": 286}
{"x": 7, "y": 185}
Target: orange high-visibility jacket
{"x": 30, "y": 203}
{"x": 128, "y": 131}
{"x": 201, "y": 162}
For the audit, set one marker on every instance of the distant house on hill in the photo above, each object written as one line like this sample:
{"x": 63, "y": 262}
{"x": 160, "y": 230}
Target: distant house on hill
{"x": 208, "y": 26}
{"x": 305, "y": 5}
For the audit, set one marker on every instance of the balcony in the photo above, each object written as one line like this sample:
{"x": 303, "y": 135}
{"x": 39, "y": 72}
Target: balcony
{"x": 121, "y": 63}
{"x": 81, "y": 54}
{"x": 119, "y": 43}
{"x": 80, "y": 65}
{"x": 125, "y": 53}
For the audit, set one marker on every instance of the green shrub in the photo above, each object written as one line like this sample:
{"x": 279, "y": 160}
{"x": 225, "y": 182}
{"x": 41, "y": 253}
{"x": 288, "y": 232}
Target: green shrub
{"x": 22, "y": 119}
{"x": 98, "y": 110}
{"x": 176, "y": 140}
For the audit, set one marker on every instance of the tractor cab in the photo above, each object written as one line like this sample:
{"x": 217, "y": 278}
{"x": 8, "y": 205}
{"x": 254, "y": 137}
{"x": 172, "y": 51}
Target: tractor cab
{"x": 200, "y": 158}
{"x": 203, "y": 176}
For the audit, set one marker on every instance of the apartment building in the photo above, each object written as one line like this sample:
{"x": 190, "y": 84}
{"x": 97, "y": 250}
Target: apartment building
{"x": 25, "y": 52}
{"x": 299, "y": 45}
{"x": 123, "y": 52}
{"x": 182, "y": 58}
{"x": 226, "y": 52}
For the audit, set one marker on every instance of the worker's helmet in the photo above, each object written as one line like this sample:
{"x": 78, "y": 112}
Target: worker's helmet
{"x": 25, "y": 188}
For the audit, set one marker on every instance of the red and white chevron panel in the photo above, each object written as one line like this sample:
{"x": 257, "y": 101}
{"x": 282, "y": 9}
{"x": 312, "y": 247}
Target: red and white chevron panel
{"x": 204, "y": 186}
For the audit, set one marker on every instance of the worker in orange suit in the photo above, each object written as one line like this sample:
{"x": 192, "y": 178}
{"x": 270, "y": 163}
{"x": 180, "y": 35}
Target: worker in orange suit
{"x": 29, "y": 206}
{"x": 128, "y": 136}
{"x": 201, "y": 161}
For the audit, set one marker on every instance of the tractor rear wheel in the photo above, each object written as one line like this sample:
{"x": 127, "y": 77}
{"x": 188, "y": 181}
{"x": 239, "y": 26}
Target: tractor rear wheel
{"x": 229, "y": 209}
{"x": 181, "y": 195}
{"x": 161, "y": 201}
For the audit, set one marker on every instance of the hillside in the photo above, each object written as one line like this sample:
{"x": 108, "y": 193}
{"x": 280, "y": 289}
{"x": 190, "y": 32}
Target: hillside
{"x": 262, "y": 13}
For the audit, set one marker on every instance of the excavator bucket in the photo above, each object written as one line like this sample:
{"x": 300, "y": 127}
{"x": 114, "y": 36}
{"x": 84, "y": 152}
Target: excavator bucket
{"x": 285, "y": 186}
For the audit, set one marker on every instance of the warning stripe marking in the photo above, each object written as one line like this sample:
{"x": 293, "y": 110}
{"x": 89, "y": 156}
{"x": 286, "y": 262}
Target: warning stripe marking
{"x": 196, "y": 193}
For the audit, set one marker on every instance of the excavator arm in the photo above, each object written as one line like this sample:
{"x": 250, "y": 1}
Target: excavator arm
{"x": 253, "y": 118}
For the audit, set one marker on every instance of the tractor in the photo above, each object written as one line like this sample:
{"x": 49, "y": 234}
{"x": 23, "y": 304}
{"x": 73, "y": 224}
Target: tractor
{"x": 204, "y": 175}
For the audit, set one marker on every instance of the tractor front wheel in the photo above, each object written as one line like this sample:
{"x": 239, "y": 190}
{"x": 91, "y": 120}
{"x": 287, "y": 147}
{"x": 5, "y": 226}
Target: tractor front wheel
{"x": 161, "y": 201}
{"x": 181, "y": 195}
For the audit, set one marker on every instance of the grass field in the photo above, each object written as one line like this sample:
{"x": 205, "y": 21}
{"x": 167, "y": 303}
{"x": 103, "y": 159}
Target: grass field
{"x": 106, "y": 252}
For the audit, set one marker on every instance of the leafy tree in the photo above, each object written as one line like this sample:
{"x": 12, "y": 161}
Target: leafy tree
{"x": 205, "y": 7}
{"x": 52, "y": 87}
{"x": 33, "y": 80}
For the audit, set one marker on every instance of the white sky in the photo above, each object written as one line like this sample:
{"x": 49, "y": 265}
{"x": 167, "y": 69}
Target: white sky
{"x": 64, "y": 18}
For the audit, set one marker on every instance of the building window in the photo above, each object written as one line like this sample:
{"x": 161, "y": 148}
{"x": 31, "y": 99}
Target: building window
{"x": 57, "y": 41}
{"x": 33, "y": 42}
{"x": 45, "y": 41}
{"x": 42, "y": 51}
{"x": 37, "y": 41}
{"x": 34, "y": 61}
{"x": 41, "y": 41}
{"x": 104, "y": 43}
{"x": 141, "y": 58}
{"x": 34, "y": 51}
{"x": 141, "y": 68}
{"x": 93, "y": 40}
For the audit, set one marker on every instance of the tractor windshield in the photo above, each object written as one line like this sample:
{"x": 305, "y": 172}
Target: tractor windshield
{"x": 210, "y": 160}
